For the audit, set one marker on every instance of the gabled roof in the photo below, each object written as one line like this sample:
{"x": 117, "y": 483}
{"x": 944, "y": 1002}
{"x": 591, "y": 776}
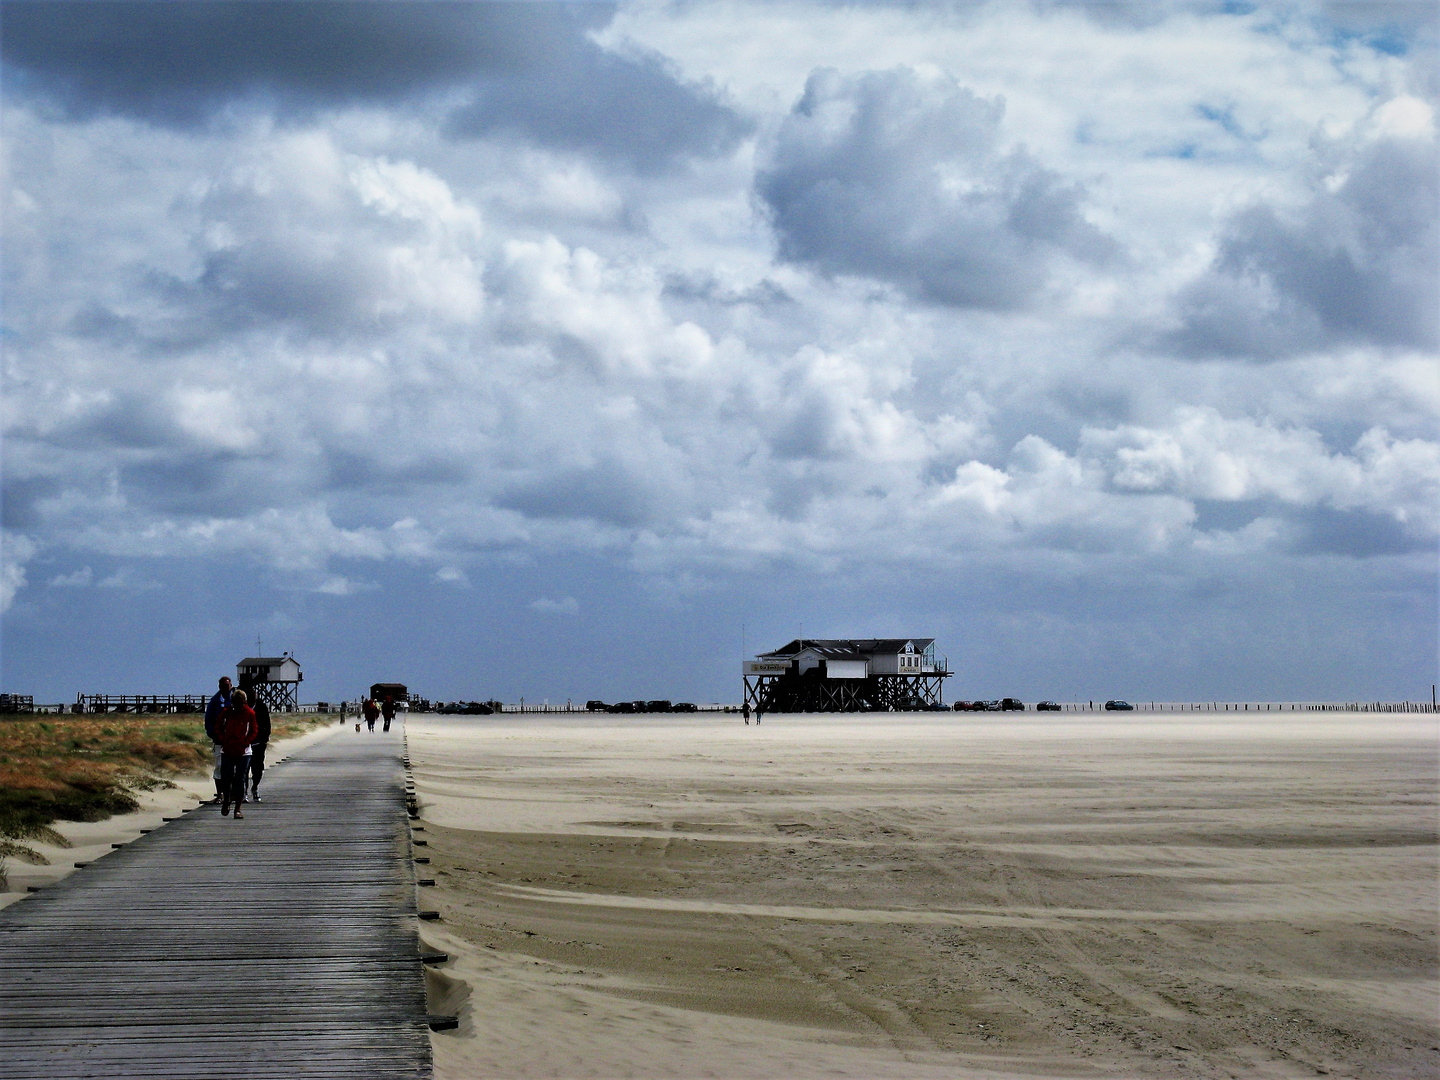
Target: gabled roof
{"x": 849, "y": 648}
{"x": 265, "y": 661}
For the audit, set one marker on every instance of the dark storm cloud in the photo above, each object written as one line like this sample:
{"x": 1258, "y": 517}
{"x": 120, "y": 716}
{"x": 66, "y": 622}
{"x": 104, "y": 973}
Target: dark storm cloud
{"x": 1355, "y": 266}
{"x": 580, "y": 97}
{"x": 174, "y": 63}
{"x": 528, "y": 68}
{"x": 892, "y": 176}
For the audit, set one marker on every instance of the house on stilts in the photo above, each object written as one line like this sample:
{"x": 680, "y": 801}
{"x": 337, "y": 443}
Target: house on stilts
{"x": 847, "y": 675}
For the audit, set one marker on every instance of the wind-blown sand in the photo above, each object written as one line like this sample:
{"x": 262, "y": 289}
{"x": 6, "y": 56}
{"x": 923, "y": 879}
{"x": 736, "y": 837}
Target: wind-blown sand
{"x": 951, "y": 896}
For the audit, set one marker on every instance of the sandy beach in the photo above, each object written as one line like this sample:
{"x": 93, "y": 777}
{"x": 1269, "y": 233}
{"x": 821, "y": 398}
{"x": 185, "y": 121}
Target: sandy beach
{"x": 960, "y": 896}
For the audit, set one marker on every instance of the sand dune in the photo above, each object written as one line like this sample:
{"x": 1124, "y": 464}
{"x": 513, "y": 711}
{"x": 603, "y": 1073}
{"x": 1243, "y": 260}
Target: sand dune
{"x": 938, "y": 896}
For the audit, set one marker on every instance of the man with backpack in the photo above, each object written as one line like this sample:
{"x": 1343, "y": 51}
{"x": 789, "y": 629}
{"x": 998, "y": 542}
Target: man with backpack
{"x": 213, "y": 711}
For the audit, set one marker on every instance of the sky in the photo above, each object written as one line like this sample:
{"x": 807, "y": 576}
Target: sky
{"x": 558, "y": 352}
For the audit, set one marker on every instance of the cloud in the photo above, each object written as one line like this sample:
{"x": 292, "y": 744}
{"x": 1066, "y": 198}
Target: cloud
{"x": 19, "y": 498}
{"x": 125, "y": 578}
{"x": 1358, "y": 263}
{"x": 630, "y": 108}
{"x": 902, "y": 177}
{"x": 177, "y": 63}
{"x": 546, "y": 606}
{"x": 338, "y": 585}
{"x": 380, "y": 341}
{"x": 16, "y": 549}
{"x": 356, "y": 243}
{"x": 299, "y": 541}
{"x": 530, "y": 70}
{"x": 1203, "y": 456}
{"x": 79, "y": 579}
{"x": 452, "y": 575}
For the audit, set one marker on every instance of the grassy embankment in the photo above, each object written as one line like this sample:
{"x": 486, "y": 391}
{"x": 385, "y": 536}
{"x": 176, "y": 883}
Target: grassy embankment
{"x": 86, "y": 768}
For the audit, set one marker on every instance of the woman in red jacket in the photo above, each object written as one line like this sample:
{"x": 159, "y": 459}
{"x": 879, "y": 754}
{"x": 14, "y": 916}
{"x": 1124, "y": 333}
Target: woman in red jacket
{"x": 237, "y": 731}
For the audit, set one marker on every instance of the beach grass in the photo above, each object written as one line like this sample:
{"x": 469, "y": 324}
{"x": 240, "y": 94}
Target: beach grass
{"x": 88, "y": 767}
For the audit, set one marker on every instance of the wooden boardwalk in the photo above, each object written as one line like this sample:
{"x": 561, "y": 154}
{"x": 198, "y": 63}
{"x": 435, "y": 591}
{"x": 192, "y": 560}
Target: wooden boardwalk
{"x": 284, "y": 945}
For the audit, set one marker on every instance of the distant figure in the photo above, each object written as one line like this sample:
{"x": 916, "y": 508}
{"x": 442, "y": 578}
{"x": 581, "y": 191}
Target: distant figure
{"x": 388, "y": 710}
{"x": 257, "y": 748}
{"x": 213, "y": 710}
{"x": 745, "y": 712}
{"x": 237, "y": 731}
{"x": 371, "y": 713}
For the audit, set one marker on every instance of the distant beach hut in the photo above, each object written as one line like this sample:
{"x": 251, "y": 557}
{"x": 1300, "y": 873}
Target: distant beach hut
{"x": 275, "y": 680}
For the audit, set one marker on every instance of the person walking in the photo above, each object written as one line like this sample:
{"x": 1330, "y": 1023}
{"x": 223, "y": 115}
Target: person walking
{"x": 257, "y": 748}
{"x": 371, "y": 713}
{"x": 213, "y": 711}
{"x": 388, "y": 710}
{"x": 237, "y": 731}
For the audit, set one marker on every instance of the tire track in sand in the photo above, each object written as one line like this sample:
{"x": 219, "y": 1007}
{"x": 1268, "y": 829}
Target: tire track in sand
{"x": 835, "y": 983}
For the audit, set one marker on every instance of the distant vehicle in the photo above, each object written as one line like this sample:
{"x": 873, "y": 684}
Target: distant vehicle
{"x": 396, "y": 692}
{"x": 1116, "y": 705}
{"x": 622, "y": 707}
{"x": 992, "y": 706}
{"x": 1047, "y": 706}
{"x": 1011, "y": 704}
{"x": 961, "y": 706}
{"x": 684, "y": 706}
{"x": 473, "y": 708}
{"x": 596, "y": 705}
{"x": 658, "y": 705}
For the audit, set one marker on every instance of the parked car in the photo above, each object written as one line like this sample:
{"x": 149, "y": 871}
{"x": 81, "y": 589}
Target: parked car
{"x": 1011, "y": 704}
{"x": 596, "y": 705}
{"x": 658, "y": 705}
{"x": 474, "y": 708}
{"x": 622, "y": 707}
{"x": 961, "y": 706}
{"x": 1047, "y": 706}
{"x": 1116, "y": 705}
{"x": 684, "y": 706}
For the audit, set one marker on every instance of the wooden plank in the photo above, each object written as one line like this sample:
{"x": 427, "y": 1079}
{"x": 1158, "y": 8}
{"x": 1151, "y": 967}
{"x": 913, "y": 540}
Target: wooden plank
{"x": 283, "y": 945}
